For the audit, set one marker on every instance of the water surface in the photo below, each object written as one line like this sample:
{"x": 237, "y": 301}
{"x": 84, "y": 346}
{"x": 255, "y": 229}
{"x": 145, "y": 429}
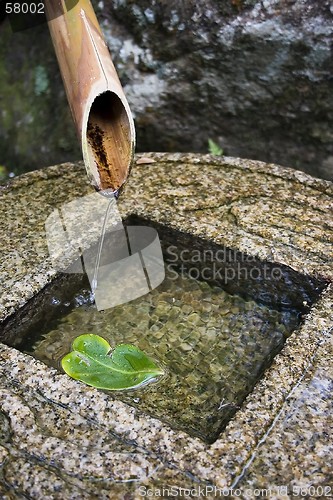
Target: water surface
{"x": 214, "y": 346}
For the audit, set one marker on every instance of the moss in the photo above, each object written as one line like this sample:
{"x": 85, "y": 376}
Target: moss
{"x": 36, "y": 128}
{"x": 41, "y": 80}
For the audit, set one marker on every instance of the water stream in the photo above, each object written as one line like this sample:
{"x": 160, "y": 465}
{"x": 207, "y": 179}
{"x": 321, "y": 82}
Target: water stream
{"x": 112, "y": 200}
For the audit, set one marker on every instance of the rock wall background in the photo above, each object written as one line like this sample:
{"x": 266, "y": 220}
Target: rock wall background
{"x": 254, "y": 76}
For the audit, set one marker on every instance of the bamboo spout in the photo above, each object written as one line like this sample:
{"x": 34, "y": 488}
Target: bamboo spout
{"x": 99, "y": 107}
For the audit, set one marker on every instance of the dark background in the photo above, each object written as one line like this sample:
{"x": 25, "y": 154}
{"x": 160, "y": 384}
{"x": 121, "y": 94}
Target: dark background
{"x": 254, "y": 76}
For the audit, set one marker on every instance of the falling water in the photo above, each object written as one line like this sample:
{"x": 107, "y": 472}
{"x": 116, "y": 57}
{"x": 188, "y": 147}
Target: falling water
{"x": 112, "y": 196}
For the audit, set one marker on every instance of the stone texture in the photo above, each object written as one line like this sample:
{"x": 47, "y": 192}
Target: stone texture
{"x": 36, "y": 127}
{"x": 79, "y": 438}
{"x": 300, "y": 436}
{"x": 255, "y": 76}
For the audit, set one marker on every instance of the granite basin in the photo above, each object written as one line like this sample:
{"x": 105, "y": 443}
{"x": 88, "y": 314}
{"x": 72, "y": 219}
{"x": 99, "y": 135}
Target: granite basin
{"x": 84, "y": 443}
{"x": 215, "y": 324}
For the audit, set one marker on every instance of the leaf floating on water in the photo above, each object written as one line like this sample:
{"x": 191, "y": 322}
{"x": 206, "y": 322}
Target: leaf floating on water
{"x": 92, "y": 362}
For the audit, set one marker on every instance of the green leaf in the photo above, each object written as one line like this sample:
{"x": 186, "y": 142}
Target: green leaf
{"x": 92, "y": 362}
{"x": 214, "y": 148}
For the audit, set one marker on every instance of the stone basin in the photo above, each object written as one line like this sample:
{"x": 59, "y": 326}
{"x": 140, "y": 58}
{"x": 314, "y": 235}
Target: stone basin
{"x": 61, "y": 439}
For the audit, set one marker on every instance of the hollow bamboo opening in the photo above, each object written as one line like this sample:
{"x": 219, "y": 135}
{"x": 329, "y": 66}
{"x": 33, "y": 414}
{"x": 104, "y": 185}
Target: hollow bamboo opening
{"x": 109, "y": 139}
{"x": 101, "y": 113}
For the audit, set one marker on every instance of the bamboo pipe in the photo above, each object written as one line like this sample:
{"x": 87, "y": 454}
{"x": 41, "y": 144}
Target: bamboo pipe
{"x": 99, "y": 107}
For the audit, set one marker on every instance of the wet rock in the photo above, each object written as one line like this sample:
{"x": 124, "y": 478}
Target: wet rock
{"x": 254, "y": 76}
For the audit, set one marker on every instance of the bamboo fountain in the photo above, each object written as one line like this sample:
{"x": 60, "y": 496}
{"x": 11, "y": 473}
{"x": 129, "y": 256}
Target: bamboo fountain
{"x": 101, "y": 113}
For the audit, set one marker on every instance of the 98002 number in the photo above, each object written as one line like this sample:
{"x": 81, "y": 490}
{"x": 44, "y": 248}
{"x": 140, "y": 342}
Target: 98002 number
{"x": 24, "y": 8}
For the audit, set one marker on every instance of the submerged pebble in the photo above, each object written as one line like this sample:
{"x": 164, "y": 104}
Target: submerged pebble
{"x": 212, "y": 344}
